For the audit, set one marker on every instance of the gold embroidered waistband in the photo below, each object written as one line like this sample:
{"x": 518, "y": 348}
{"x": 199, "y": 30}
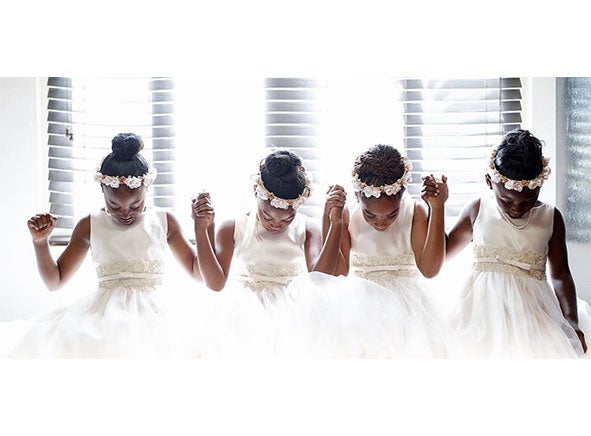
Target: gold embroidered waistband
{"x": 511, "y": 261}
{"x": 130, "y": 274}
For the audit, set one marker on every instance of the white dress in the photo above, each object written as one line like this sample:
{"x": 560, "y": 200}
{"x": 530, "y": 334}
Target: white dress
{"x": 267, "y": 275}
{"x": 397, "y": 314}
{"x": 507, "y": 307}
{"x": 126, "y": 316}
{"x": 384, "y": 314}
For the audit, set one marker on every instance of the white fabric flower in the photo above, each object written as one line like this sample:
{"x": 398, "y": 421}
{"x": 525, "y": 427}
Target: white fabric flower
{"x": 514, "y": 185}
{"x": 111, "y": 181}
{"x": 150, "y": 176}
{"x": 280, "y": 203}
{"x": 133, "y": 182}
{"x": 392, "y": 189}
{"x": 372, "y": 191}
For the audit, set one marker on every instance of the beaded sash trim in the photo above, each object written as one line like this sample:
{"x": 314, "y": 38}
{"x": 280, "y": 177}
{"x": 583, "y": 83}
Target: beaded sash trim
{"x": 130, "y": 274}
{"x": 379, "y": 268}
{"x": 511, "y": 261}
{"x": 269, "y": 276}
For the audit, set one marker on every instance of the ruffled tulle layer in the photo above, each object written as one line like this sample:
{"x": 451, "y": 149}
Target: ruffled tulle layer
{"x": 507, "y": 315}
{"x": 318, "y": 315}
{"x": 117, "y": 323}
{"x": 359, "y": 318}
{"x": 500, "y": 315}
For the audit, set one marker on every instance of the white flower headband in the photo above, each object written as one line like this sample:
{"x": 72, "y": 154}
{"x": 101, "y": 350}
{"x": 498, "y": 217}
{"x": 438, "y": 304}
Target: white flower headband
{"x": 393, "y": 189}
{"x": 281, "y": 203}
{"x": 132, "y": 182}
{"x": 516, "y": 185}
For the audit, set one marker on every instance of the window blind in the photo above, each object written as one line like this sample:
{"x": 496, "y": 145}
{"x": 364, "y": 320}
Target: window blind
{"x": 292, "y": 122}
{"x": 83, "y": 116}
{"x": 449, "y": 127}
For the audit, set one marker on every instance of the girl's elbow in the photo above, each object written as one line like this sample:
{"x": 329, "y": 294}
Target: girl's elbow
{"x": 215, "y": 285}
{"x": 431, "y": 272}
{"x": 52, "y": 287}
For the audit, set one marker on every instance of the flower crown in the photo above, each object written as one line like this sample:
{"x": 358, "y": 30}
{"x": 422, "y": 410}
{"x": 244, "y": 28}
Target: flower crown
{"x": 281, "y": 203}
{"x": 132, "y": 182}
{"x": 516, "y": 185}
{"x": 393, "y": 189}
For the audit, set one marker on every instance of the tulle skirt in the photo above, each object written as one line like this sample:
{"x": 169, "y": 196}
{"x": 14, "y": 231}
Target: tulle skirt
{"x": 355, "y": 317}
{"x": 509, "y": 315}
{"x": 117, "y": 322}
{"x": 318, "y": 315}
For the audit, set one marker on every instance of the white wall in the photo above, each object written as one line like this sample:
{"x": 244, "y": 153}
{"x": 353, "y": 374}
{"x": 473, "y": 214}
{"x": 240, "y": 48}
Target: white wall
{"x": 23, "y": 175}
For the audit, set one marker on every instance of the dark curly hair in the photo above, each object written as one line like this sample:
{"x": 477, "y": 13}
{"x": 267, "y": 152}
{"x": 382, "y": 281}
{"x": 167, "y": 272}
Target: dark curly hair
{"x": 380, "y": 165}
{"x": 519, "y": 155}
{"x": 125, "y": 159}
{"x": 283, "y": 174}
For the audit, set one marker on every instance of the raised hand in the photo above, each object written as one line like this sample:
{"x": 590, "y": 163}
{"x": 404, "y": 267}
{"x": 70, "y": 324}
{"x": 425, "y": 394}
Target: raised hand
{"x": 335, "y": 202}
{"x": 434, "y": 191}
{"x": 41, "y": 226}
{"x": 202, "y": 210}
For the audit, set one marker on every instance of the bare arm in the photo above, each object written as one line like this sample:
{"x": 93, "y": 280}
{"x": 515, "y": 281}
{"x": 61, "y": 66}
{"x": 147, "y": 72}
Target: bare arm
{"x": 428, "y": 228}
{"x": 345, "y": 251}
{"x": 332, "y": 227}
{"x": 56, "y": 274}
{"x": 181, "y": 248}
{"x": 562, "y": 280}
{"x": 461, "y": 233}
{"x": 214, "y": 254}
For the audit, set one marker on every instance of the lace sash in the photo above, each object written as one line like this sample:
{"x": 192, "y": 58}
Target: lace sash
{"x": 372, "y": 267}
{"x": 139, "y": 274}
{"x": 269, "y": 276}
{"x": 509, "y": 260}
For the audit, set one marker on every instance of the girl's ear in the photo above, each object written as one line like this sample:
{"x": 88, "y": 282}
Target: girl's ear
{"x": 488, "y": 181}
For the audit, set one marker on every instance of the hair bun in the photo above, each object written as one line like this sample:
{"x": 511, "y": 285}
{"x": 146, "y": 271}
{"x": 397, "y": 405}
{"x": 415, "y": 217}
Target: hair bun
{"x": 281, "y": 163}
{"x": 126, "y": 146}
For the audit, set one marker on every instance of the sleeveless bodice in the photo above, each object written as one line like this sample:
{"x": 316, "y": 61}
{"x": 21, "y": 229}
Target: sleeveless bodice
{"x": 500, "y": 246}
{"x": 265, "y": 260}
{"x": 383, "y": 253}
{"x": 129, "y": 256}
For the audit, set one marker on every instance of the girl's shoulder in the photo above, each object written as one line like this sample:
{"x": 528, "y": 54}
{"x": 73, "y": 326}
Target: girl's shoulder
{"x": 547, "y": 206}
{"x": 311, "y": 224}
{"x": 82, "y": 229}
{"x": 161, "y": 217}
{"x": 228, "y": 224}
{"x": 547, "y": 212}
{"x": 410, "y": 205}
{"x": 472, "y": 209}
{"x": 84, "y": 221}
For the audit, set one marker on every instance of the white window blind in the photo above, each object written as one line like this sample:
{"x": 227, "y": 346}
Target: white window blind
{"x": 210, "y": 134}
{"x": 83, "y": 116}
{"x": 291, "y": 122}
{"x": 449, "y": 127}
